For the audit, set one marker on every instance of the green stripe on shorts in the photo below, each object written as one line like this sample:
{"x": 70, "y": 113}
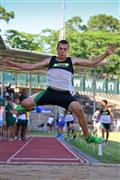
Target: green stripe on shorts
{"x": 39, "y": 95}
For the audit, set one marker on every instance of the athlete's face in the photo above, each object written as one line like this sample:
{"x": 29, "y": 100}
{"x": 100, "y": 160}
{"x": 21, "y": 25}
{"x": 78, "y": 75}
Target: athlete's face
{"x": 62, "y": 51}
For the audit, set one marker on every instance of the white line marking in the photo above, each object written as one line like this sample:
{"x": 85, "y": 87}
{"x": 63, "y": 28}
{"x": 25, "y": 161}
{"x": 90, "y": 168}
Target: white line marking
{"x": 17, "y": 152}
{"x": 75, "y": 154}
{"x": 46, "y": 163}
{"x": 56, "y": 159}
{"x": 80, "y": 157}
{"x": 69, "y": 150}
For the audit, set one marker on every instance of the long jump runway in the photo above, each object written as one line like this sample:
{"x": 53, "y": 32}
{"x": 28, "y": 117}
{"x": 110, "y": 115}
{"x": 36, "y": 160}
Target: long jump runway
{"x": 42, "y": 150}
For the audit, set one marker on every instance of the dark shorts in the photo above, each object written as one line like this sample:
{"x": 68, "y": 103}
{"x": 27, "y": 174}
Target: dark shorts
{"x": 22, "y": 122}
{"x": 105, "y": 125}
{"x": 69, "y": 122}
{"x": 49, "y": 125}
{"x": 10, "y": 122}
{"x": 53, "y": 97}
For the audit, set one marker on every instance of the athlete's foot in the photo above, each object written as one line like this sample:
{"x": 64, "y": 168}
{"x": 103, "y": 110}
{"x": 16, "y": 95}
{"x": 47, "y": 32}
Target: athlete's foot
{"x": 94, "y": 139}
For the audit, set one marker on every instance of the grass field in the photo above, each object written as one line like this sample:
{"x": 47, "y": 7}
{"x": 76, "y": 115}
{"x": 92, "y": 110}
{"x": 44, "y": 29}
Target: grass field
{"x": 111, "y": 150}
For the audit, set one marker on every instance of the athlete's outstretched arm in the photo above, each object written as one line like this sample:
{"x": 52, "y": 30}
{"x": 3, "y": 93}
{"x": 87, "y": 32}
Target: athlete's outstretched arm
{"x": 26, "y": 66}
{"x": 93, "y": 62}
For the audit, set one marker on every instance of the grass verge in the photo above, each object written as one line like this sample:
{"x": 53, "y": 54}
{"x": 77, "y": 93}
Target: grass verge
{"x": 111, "y": 150}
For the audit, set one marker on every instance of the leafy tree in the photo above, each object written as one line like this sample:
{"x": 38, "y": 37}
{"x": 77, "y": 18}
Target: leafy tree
{"x": 86, "y": 43}
{"x": 24, "y": 40}
{"x": 103, "y": 22}
{"x": 49, "y": 39}
{"x": 6, "y": 16}
{"x": 75, "y": 23}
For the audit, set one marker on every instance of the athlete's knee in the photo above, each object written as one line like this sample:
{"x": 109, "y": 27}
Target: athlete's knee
{"x": 28, "y": 103}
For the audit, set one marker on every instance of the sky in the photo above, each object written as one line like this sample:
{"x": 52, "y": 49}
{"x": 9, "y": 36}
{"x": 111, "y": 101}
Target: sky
{"x": 32, "y": 16}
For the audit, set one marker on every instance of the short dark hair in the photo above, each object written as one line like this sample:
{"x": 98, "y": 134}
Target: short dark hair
{"x": 105, "y": 101}
{"x": 63, "y": 42}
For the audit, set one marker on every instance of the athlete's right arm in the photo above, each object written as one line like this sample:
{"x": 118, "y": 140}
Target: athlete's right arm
{"x": 26, "y": 66}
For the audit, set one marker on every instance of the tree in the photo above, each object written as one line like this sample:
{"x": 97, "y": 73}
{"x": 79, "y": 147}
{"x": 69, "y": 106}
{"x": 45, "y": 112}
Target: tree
{"x": 75, "y": 23}
{"x": 6, "y": 16}
{"x": 84, "y": 44}
{"x": 103, "y": 22}
{"x": 49, "y": 39}
{"x": 24, "y": 40}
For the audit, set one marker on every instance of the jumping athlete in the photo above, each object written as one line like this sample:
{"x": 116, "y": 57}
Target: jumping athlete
{"x": 60, "y": 74}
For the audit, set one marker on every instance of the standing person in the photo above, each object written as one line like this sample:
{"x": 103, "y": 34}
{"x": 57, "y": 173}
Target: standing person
{"x": 2, "y": 117}
{"x": 10, "y": 119}
{"x": 96, "y": 122}
{"x": 106, "y": 117}
{"x": 60, "y": 125}
{"x": 15, "y": 103}
{"x": 69, "y": 120}
{"x": 21, "y": 125}
{"x": 60, "y": 75}
{"x": 50, "y": 122}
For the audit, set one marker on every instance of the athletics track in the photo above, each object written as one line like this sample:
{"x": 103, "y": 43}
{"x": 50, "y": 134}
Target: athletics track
{"x": 41, "y": 150}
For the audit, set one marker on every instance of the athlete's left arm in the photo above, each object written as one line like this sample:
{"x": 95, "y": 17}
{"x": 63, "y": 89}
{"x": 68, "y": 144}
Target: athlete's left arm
{"x": 94, "y": 61}
{"x": 111, "y": 115}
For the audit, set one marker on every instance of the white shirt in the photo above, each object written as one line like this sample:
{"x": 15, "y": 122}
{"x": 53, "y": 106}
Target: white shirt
{"x": 69, "y": 118}
{"x": 50, "y": 120}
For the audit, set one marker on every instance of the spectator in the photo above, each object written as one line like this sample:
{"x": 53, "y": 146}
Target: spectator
{"x": 10, "y": 120}
{"x": 15, "y": 103}
{"x": 106, "y": 117}
{"x": 2, "y": 117}
{"x": 21, "y": 126}
{"x": 69, "y": 120}
{"x": 50, "y": 122}
{"x": 96, "y": 122}
{"x": 60, "y": 125}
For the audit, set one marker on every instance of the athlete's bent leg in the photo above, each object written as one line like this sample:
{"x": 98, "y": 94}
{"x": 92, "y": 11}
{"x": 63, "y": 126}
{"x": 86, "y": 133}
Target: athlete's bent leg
{"x": 29, "y": 103}
{"x": 26, "y": 105}
{"x": 77, "y": 109}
